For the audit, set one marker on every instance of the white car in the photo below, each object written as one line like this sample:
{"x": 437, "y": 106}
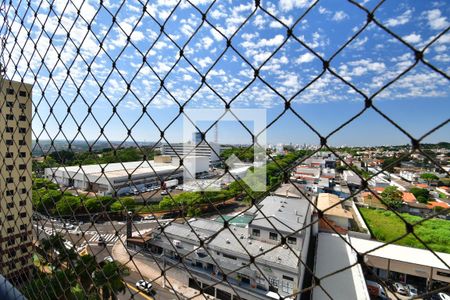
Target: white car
{"x": 69, "y": 226}
{"x": 144, "y": 286}
{"x": 108, "y": 259}
{"x": 412, "y": 290}
{"x": 399, "y": 288}
{"x": 443, "y": 296}
{"x": 149, "y": 217}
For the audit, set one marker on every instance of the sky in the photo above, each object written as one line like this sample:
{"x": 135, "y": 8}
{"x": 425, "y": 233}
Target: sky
{"x": 42, "y": 49}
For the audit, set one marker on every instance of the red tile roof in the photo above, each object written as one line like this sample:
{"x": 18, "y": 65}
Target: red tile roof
{"x": 409, "y": 197}
{"x": 422, "y": 185}
{"x": 434, "y": 204}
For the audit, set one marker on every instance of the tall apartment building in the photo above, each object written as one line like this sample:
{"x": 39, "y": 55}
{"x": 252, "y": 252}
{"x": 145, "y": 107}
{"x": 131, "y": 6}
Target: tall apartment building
{"x": 15, "y": 179}
{"x": 212, "y": 151}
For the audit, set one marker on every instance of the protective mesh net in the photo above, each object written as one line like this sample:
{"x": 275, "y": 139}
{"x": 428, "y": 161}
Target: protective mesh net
{"x": 90, "y": 63}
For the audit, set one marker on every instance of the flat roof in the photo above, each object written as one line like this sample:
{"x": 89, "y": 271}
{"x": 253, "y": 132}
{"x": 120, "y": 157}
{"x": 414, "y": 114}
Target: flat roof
{"x": 326, "y": 200}
{"x": 226, "y": 241}
{"x": 287, "y": 214}
{"x": 402, "y": 253}
{"x": 114, "y": 170}
{"x": 332, "y": 255}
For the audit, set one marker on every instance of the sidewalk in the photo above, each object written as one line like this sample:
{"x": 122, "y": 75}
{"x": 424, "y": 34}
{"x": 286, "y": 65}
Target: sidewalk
{"x": 149, "y": 269}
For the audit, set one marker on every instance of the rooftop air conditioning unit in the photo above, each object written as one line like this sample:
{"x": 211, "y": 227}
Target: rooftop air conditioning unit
{"x": 177, "y": 243}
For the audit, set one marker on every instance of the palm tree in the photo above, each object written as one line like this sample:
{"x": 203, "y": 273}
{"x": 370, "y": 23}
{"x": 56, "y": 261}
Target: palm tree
{"x": 109, "y": 279}
{"x": 85, "y": 267}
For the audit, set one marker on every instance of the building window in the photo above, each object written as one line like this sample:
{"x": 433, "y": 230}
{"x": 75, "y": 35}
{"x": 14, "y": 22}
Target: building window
{"x": 22, "y": 203}
{"x": 23, "y": 214}
{"x": 273, "y": 281}
{"x": 22, "y": 130}
{"x": 22, "y": 142}
{"x": 10, "y": 193}
{"x": 9, "y": 167}
{"x": 9, "y": 155}
{"x": 11, "y": 265}
{"x": 9, "y": 104}
{"x": 23, "y": 227}
{"x": 273, "y": 236}
{"x": 10, "y": 180}
{"x": 23, "y": 93}
{"x": 230, "y": 256}
{"x": 9, "y": 129}
{"x": 12, "y": 253}
{"x": 11, "y": 241}
{"x": 10, "y": 205}
{"x": 23, "y": 237}
{"x": 256, "y": 232}
{"x": 292, "y": 240}
{"x": 287, "y": 284}
{"x": 22, "y": 178}
{"x": 22, "y": 118}
{"x": 23, "y": 191}
{"x": 22, "y": 166}
{"x": 10, "y": 230}
{"x": 10, "y": 91}
{"x": 24, "y": 249}
{"x": 10, "y": 217}
{"x": 9, "y": 117}
{"x": 9, "y": 142}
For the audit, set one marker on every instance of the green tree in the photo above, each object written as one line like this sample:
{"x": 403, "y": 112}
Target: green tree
{"x": 422, "y": 195}
{"x": 428, "y": 177}
{"x": 392, "y": 197}
{"x": 125, "y": 203}
{"x": 109, "y": 279}
{"x": 68, "y": 205}
{"x": 92, "y": 205}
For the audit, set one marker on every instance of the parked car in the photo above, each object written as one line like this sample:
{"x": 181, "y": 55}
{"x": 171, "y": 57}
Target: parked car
{"x": 144, "y": 285}
{"x": 108, "y": 259}
{"x": 163, "y": 193}
{"x": 69, "y": 226}
{"x": 412, "y": 290}
{"x": 442, "y": 296}
{"x": 376, "y": 290}
{"x": 149, "y": 217}
{"x": 400, "y": 288}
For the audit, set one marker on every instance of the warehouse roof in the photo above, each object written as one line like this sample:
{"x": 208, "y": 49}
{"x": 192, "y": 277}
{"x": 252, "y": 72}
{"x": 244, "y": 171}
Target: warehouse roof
{"x": 401, "y": 253}
{"x": 329, "y": 247}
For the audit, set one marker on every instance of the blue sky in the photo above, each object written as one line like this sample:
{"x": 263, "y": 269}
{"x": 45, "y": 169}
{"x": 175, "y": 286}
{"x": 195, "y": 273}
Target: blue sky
{"x": 418, "y": 101}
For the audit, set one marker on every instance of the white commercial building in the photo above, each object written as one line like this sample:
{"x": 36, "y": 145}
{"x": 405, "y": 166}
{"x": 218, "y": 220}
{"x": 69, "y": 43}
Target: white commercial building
{"x": 351, "y": 178}
{"x": 210, "y": 150}
{"x": 405, "y": 264}
{"x": 105, "y": 179}
{"x": 280, "y": 272}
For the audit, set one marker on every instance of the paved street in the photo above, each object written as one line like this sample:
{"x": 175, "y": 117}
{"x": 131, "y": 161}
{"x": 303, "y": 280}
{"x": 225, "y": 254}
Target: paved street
{"x": 108, "y": 231}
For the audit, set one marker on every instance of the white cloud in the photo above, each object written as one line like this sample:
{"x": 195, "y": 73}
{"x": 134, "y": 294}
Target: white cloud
{"x": 287, "y": 5}
{"x": 339, "y": 16}
{"x": 412, "y": 38}
{"x": 291, "y": 81}
{"x": 305, "y": 58}
{"x": 207, "y": 42}
{"x": 435, "y": 19}
{"x": 259, "y": 21}
{"x": 400, "y": 20}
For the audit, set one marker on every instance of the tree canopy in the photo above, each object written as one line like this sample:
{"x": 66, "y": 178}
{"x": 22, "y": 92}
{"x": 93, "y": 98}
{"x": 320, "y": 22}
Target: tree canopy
{"x": 392, "y": 197}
